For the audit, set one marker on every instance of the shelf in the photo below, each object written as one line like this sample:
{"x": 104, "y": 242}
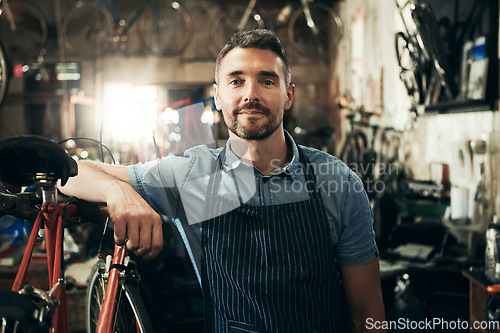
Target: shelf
{"x": 460, "y": 106}
{"x": 33, "y": 98}
{"x": 478, "y": 298}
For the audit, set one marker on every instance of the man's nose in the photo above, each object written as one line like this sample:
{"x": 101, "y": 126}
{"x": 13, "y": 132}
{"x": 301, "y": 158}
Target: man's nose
{"x": 251, "y": 92}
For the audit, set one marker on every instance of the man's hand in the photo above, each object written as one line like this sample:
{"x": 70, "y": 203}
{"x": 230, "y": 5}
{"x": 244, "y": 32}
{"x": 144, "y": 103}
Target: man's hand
{"x": 136, "y": 224}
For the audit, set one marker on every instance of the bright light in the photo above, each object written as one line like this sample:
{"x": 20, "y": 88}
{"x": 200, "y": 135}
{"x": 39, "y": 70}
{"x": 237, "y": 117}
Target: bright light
{"x": 207, "y": 117}
{"x": 84, "y": 154}
{"x": 130, "y": 113}
{"x": 71, "y": 143}
{"x": 174, "y": 136}
{"x": 146, "y": 93}
{"x": 68, "y": 76}
{"x": 122, "y": 121}
{"x": 170, "y": 116}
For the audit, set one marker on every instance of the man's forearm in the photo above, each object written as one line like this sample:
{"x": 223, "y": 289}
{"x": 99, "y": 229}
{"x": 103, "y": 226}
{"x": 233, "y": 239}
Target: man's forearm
{"x": 136, "y": 224}
{"x": 94, "y": 181}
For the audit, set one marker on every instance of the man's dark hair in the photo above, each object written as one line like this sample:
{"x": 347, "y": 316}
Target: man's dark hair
{"x": 263, "y": 39}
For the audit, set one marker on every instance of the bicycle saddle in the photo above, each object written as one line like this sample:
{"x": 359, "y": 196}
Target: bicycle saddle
{"x": 22, "y": 157}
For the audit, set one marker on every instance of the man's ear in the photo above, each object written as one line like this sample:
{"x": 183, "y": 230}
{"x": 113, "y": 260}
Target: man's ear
{"x": 290, "y": 94}
{"x": 216, "y": 97}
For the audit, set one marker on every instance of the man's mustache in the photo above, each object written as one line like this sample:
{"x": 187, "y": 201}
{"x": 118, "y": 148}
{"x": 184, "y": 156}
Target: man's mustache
{"x": 251, "y": 106}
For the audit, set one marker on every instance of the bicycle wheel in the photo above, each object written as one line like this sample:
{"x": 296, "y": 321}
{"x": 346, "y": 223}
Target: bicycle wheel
{"x": 225, "y": 24}
{"x": 27, "y": 36}
{"x": 4, "y": 74}
{"x": 430, "y": 38}
{"x": 408, "y": 68}
{"x": 315, "y": 33}
{"x": 86, "y": 30}
{"x": 18, "y": 313}
{"x": 166, "y": 29}
{"x": 352, "y": 150}
{"x": 131, "y": 314}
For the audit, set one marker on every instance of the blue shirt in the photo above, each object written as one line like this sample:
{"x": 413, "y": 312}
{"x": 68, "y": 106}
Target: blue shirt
{"x": 177, "y": 187}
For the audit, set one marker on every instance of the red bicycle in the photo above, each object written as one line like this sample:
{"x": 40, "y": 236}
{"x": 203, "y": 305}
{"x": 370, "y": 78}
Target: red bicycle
{"x": 114, "y": 297}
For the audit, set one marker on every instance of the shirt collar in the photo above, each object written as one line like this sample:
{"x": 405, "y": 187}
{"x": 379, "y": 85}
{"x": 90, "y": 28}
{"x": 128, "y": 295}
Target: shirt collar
{"x": 232, "y": 161}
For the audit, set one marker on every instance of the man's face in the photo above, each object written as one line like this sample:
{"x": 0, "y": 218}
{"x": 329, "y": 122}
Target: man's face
{"x": 251, "y": 92}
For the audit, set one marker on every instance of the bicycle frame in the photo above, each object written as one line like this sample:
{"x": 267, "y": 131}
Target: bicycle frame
{"x": 432, "y": 72}
{"x": 49, "y": 164}
{"x": 246, "y": 14}
{"x": 23, "y": 29}
{"x": 4, "y": 4}
{"x": 107, "y": 318}
{"x": 313, "y": 28}
{"x": 421, "y": 53}
{"x": 305, "y": 8}
{"x": 120, "y": 23}
{"x": 51, "y": 215}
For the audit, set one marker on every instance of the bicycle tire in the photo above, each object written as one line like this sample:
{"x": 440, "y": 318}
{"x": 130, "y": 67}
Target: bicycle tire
{"x": 131, "y": 314}
{"x": 18, "y": 314}
{"x": 367, "y": 170}
{"x": 169, "y": 35}
{"x": 408, "y": 68}
{"x": 352, "y": 150}
{"x": 31, "y": 33}
{"x": 318, "y": 44}
{"x": 85, "y": 32}
{"x": 225, "y": 23}
{"x": 4, "y": 74}
{"x": 430, "y": 37}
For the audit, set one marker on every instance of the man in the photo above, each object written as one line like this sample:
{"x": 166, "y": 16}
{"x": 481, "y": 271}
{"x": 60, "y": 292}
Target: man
{"x": 280, "y": 236}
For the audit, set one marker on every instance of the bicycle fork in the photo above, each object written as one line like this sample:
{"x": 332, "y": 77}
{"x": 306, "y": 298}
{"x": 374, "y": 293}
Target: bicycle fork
{"x": 113, "y": 269}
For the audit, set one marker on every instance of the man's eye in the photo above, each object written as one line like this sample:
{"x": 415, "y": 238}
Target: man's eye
{"x": 268, "y": 82}
{"x": 235, "y": 82}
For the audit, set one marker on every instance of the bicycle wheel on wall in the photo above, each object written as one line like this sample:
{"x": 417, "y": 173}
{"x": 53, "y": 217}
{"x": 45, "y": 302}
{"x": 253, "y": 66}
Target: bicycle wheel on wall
{"x": 225, "y": 24}
{"x": 28, "y": 36}
{"x": 431, "y": 42}
{"x": 166, "y": 30}
{"x": 352, "y": 151}
{"x": 4, "y": 74}
{"x": 87, "y": 31}
{"x": 408, "y": 68}
{"x": 131, "y": 314}
{"x": 316, "y": 32}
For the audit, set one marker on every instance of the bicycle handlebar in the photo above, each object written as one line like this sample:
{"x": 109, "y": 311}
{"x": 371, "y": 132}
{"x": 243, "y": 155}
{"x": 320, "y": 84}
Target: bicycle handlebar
{"x": 21, "y": 205}
{"x": 26, "y": 206}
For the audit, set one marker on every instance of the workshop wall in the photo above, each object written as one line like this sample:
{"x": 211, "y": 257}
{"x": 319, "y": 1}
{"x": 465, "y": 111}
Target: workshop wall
{"x": 366, "y": 68}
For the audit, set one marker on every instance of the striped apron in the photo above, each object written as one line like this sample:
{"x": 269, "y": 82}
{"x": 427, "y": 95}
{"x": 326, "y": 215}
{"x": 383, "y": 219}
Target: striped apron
{"x": 270, "y": 268}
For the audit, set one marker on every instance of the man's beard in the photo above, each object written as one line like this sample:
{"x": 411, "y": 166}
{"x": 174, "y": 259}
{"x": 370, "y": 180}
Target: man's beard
{"x": 253, "y": 132}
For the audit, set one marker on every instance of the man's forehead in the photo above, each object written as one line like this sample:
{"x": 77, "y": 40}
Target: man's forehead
{"x": 244, "y": 59}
